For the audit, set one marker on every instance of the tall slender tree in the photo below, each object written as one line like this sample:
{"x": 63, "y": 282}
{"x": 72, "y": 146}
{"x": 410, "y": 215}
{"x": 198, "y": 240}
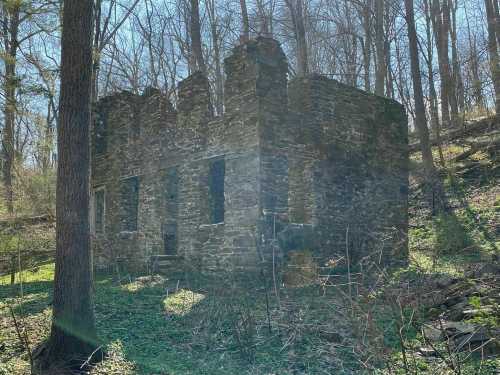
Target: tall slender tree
{"x": 380, "y": 47}
{"x": 493, "y": 50}
{"x": 11, "y": 23}
{"x": 244, "y": 20}
{"x": 297, "y": 12}
{"x": 420, "y": 117}
{"x": 73, "y": 334}
{"x": 195, "y": 31}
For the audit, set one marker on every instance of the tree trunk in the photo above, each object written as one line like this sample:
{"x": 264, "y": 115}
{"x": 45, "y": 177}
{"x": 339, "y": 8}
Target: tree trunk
{"x": 96, "y": 63}
{"x": 195, "y": 29}
{"x": 493, "y": 51}
{"x": 420, "y": 118}
{"x": 73, "y": 334}
{"x": 452, "y": 97}
{"x": 297, "y": 14}
{"x": 442, "y": 49}
{"x": 497, "y": 20}
{"x": 219, "y": 76}
{"x": 389, "y": 89}
{"x": 457, "y": 74}
{"x": 367, "y": 53}
{"x": 244, "y": 18}
{"x": 11, "y": 28}
{"x": 477, "y": 85}
{"x": 380, "y": 47}
{"x": 433, "y": 105}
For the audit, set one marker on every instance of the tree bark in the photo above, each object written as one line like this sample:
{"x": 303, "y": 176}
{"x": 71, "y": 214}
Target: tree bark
{"x": 457, "y": 74}
{"x": 433, "y": 105}
{"x": 446, "y": 33}
{"x": 297, "y": 14}
{"x": 441, "y": 38}
{"x": 73, "y": 334}
{"x": 195, "y": 29}
{"x": 477, "y": 85}
{"x": 380, "y": 47}
{"x": 367, "y": 45}
{"x": 11, "y": 33}
{"x": 244, "y": 18}
{"x": 493, "y": 51}
{"x": 219, "y": 76}
{"x": 420, "y": 118}
{"x": 433, "y": 186}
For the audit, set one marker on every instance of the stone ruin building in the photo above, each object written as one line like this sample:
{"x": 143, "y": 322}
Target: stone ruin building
{"x": 307, "y": 164}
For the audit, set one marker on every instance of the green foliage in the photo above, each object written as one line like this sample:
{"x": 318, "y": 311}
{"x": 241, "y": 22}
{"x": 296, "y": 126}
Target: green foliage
{"x": 35, "y": 193}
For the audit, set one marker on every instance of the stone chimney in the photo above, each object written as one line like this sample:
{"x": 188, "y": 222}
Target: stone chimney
{"x": 194, "y": 111}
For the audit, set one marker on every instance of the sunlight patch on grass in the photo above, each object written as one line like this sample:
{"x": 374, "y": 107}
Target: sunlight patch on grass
{"x": 42, "y": 273}
{"x": 115, "y": 363}
{"x": 428, "y": 263}
{"x": 182, "y": 302}
{"x": 141, "y": 283}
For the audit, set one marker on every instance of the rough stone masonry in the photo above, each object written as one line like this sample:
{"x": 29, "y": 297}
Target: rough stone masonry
{"x": 309, "y": 164}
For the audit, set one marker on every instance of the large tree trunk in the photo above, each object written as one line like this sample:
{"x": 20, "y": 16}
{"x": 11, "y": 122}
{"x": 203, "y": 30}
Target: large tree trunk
{"x": 493, "y": 51}
{"x": 380, "y": 47}
{"x": 195, "y": 29}
{"x": 73, "y": 335}
{"x": 11, "y": 32}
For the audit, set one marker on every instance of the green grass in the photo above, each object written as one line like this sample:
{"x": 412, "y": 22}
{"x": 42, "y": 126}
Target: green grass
{"x": 205, "y": 327}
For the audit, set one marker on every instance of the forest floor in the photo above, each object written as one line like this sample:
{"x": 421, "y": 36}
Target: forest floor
{"x": 439, "y": 315}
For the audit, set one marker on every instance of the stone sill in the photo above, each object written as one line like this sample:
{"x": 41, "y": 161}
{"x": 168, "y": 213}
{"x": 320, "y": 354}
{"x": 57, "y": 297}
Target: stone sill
{"x": 211, "y": 225}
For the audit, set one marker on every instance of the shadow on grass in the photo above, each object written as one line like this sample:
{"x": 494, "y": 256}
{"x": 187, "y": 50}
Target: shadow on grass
{"x": 161, "y": 342}
{"x": 30, "y": 299}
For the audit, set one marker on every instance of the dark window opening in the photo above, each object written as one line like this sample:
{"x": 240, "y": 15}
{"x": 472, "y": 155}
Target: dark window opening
{"x": 170, "y": 239}
{"x": 99, "y": 211}
{"x": 101, "y": 133}
{"x": 172, "y": 186}
{"x": 130, "y": 203}
{"x": 216, "y": 190}
{"x": 172, "y": 204}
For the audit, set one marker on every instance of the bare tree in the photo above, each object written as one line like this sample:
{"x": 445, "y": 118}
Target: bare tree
{"x": 219, "y": 76}
{"x": 244, "y": 20}
{"x": 493, "y": 49}
{"x": 433, "y": 100}
{"x": 296, "y": 8}
{"x": 380, "y": 47}
{"x": 420, "y": 117}
{"x": 441, "y": 38}
{"x": 195, "y": 32}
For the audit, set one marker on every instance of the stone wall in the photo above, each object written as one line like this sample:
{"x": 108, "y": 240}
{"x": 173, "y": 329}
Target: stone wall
{"x": 303, "y": 165}
{"x": 356, "y": 148}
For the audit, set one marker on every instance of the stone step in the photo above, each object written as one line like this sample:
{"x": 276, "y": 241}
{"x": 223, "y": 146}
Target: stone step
{"x": 164, "y": 262}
